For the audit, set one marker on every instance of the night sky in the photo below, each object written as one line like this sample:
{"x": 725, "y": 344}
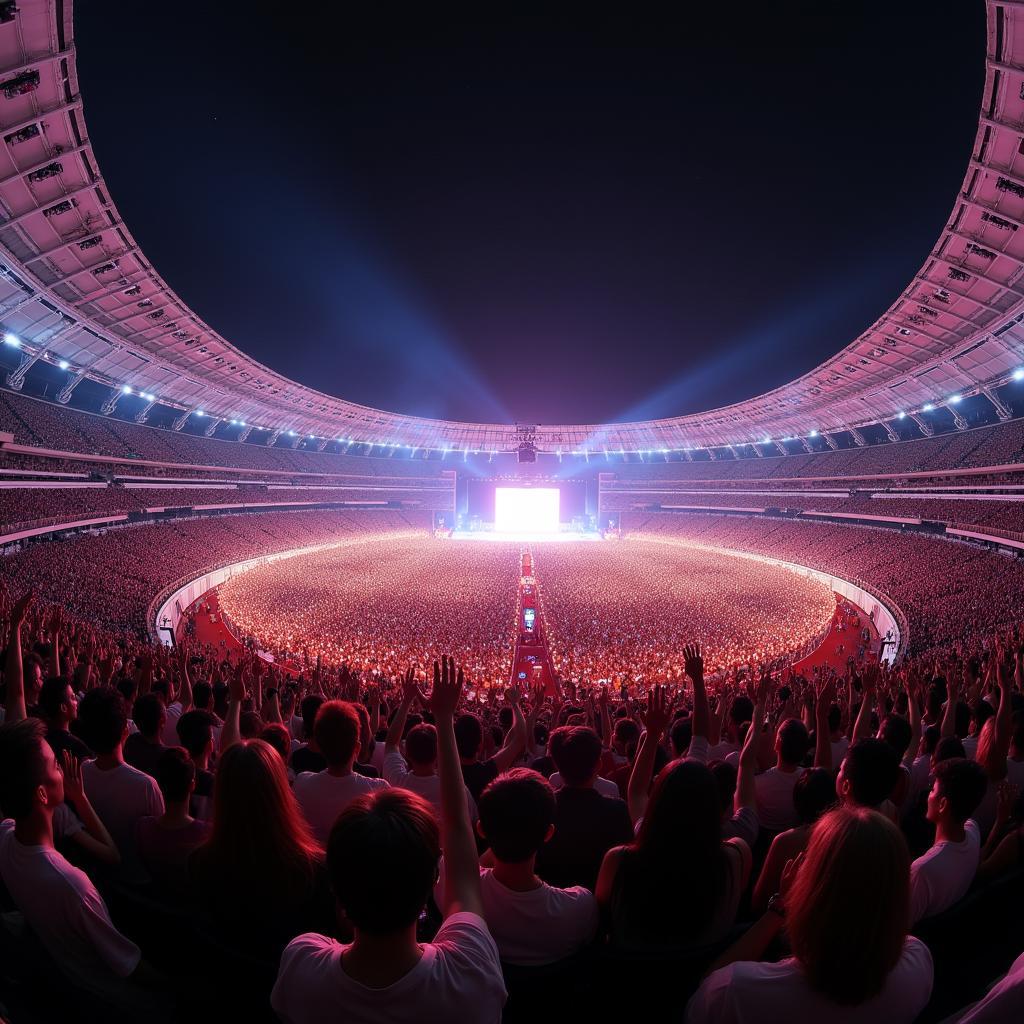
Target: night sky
{"x": 561, "y": 217}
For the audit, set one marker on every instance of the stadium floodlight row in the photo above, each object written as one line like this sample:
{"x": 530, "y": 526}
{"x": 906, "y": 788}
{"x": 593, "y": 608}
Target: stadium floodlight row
{"x": 77, "y": 292}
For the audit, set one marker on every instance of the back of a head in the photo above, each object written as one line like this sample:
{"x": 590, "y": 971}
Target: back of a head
{"x": 896, "y": 731}
{"x": 469, "y": 735}
{"x": 336, "y": 731}
{"x": 576, "y": 751}
{"x": 680, "y": 840}
{"x": 382, "y": 856}
{"x": 516, "y": 812}
{"x": 725, "y": 776}
{"x": 421, "y": 745}
{"x": 742, "y": 710}
{"x": 872, "y": 769}
{"x": 21, "y": 766}
{"x": 175, "y": 774}
{"x": 962, "y": 783}
{"x": 202, "y": 695}
{"x": 947, "y": 747}
{"x": 276, "y": 735}
{"x": 832, "y": 923}
{"x": 794, "y": 741}
{"x": 195, "y": 731}
{"x": 52, "y": 695}
{"x": 259, "y": 835}
{"x": 147, "y": 712}
{"x": 680, "y": 735}
{"x": 308, "y": 710}
{"x": 103, "y": 717}
{"x": 835, "y": 717}
{"x": 627, "y": 732}
{"x": 813, "y": 794}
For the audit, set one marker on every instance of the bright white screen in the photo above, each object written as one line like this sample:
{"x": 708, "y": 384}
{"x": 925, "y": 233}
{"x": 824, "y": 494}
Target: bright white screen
{"x": 526, "y": 509}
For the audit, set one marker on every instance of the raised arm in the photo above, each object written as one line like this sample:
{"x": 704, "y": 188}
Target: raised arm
{"x": 13, "y": 669}
{"x": 952, "y": 699}
{"x": 95, "y": 839}
{"x": 184, "y": 682}
{"x": 659, "y": 714}
{"x": 56, "y": 620}
{"x": 746, "y": 792}
{"x": 232, "y": 731}
{"x": 515, "y": 742}
{"x": 862, "y": 727}
{"x": 461, "y": 867}
{"x": 693, "y": 660}
{"x": 397, "y": 727}
{"x": 822, "y": 738}
{"x": 1004, "y": 719}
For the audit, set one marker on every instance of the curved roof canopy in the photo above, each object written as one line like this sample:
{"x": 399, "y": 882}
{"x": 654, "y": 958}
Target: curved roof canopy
{"x": 76, "y": 289}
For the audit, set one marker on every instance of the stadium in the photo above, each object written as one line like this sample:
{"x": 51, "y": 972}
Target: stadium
{"x": 737, "y": 695}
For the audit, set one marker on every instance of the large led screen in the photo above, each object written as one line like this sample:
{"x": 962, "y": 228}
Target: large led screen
{"x": 526, "y": 509}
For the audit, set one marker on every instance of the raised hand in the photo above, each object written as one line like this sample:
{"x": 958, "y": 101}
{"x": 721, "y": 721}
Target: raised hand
{"x": 447, "y": 692}
{"x": 693, "y": 661}
{"x": 74, "y": 789}
{"x": 659, "y": 711}
{"x": 410, "y": 691}
{"x": 20, "y": 607}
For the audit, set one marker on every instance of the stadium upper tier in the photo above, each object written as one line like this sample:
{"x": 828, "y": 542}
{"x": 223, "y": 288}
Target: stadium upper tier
{"x": 79, "y": 298}
{"x": 47, "y": 438}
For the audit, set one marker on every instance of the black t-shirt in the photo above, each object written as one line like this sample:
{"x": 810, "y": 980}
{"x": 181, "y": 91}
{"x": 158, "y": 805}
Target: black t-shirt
{"x": 366, "y": 770}
{"x": 142, "y": 754}
{"x": 587, "y": 826}
{"x": 306, "y": 760}
{"x": 61, "y": 739}
{"x": 478, "y": 775}
{"x": 545, "y": 765}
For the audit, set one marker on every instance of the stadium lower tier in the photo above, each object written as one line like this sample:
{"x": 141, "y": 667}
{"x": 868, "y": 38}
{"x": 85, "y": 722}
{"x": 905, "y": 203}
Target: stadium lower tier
{"x": 606, "y": 598}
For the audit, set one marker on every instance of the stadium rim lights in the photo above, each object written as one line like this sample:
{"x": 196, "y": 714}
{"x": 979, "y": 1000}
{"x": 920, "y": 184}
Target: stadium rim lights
{"x": 13, "y": 340}
{"x": 64, "y": 364}
{"x": 125, "y": 389}
{"x": 927, "y": 407}
{"x": 901, "y": 416}
{"x": 953, "y": 399}
{"x": 814, "y": 433}
{"x": 1018, "y": 374}
{"x": 199, "y": 412}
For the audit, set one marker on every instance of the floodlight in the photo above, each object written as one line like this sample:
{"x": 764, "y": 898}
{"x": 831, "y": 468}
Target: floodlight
{"x": 1018, "y": 374}
{"x": 126, "y": 389}
{"x": 953, "y": 399}
{"x": 13, "y": 340}
{"x": 63, "y": 364}
{"x": 927, "y": 407}
{"x": 199, "y": 412}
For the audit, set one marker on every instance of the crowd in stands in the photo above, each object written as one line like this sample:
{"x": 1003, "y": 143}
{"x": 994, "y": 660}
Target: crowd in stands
{"x": 185, "y": 838}
{"x": 624, "y": 610}
{"x": 109, "y": 578}
{"x": 379, "y": 605}
{"x": 948, "y": 590}
{"x": 27, "y": 504}
{"x": 44, "y": 424}
{"x": 1005, "y": 512}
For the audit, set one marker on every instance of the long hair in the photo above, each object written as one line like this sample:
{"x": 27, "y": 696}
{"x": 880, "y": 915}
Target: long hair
{"x": 672, "y": 877}
{"x": 260, "y": 841}
{"x": 849, "y": 908}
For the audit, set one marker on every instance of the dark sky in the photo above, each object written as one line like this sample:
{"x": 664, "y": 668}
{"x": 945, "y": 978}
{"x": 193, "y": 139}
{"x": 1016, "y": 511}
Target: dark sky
{"x": 567, "y": 217}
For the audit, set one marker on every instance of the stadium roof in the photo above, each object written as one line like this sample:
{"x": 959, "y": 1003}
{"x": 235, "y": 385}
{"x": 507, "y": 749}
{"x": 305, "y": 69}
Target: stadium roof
{"x": 76, "y": 289}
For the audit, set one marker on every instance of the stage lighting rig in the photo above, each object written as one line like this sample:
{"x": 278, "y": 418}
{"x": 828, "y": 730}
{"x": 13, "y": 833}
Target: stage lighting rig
{"x": 525, "y": 443}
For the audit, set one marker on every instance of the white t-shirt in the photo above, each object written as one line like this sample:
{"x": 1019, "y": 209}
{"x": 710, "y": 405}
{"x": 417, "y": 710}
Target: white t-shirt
{"x": 774, "y": 789}
{"x": 170, "y": 736}
{"x": 920, "y": 773}
{"x": 721, "y": 751}
{"x": 66, "y": 912}
{"x": 534, "y": 928}
{"x": 604, "y": 786}
{"x": 120, "y": 796}
{"x": 458, "y": 978}
{"x": 757, "y": 993}
{"x": 323, "y": 797}
{"x": 396, "y": 773}
{"x": 1005, "y": 1001}
{"x": 942, "y": 876}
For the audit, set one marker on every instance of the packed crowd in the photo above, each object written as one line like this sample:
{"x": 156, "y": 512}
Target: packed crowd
{"x": 109, "y": 578}
{"x": 379, "y": 605}
{"x": 949, "y": 591}
{"x": 186, "y": 838}
{"x": 27, "y": 504}
{"x": 624, "y": 610}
